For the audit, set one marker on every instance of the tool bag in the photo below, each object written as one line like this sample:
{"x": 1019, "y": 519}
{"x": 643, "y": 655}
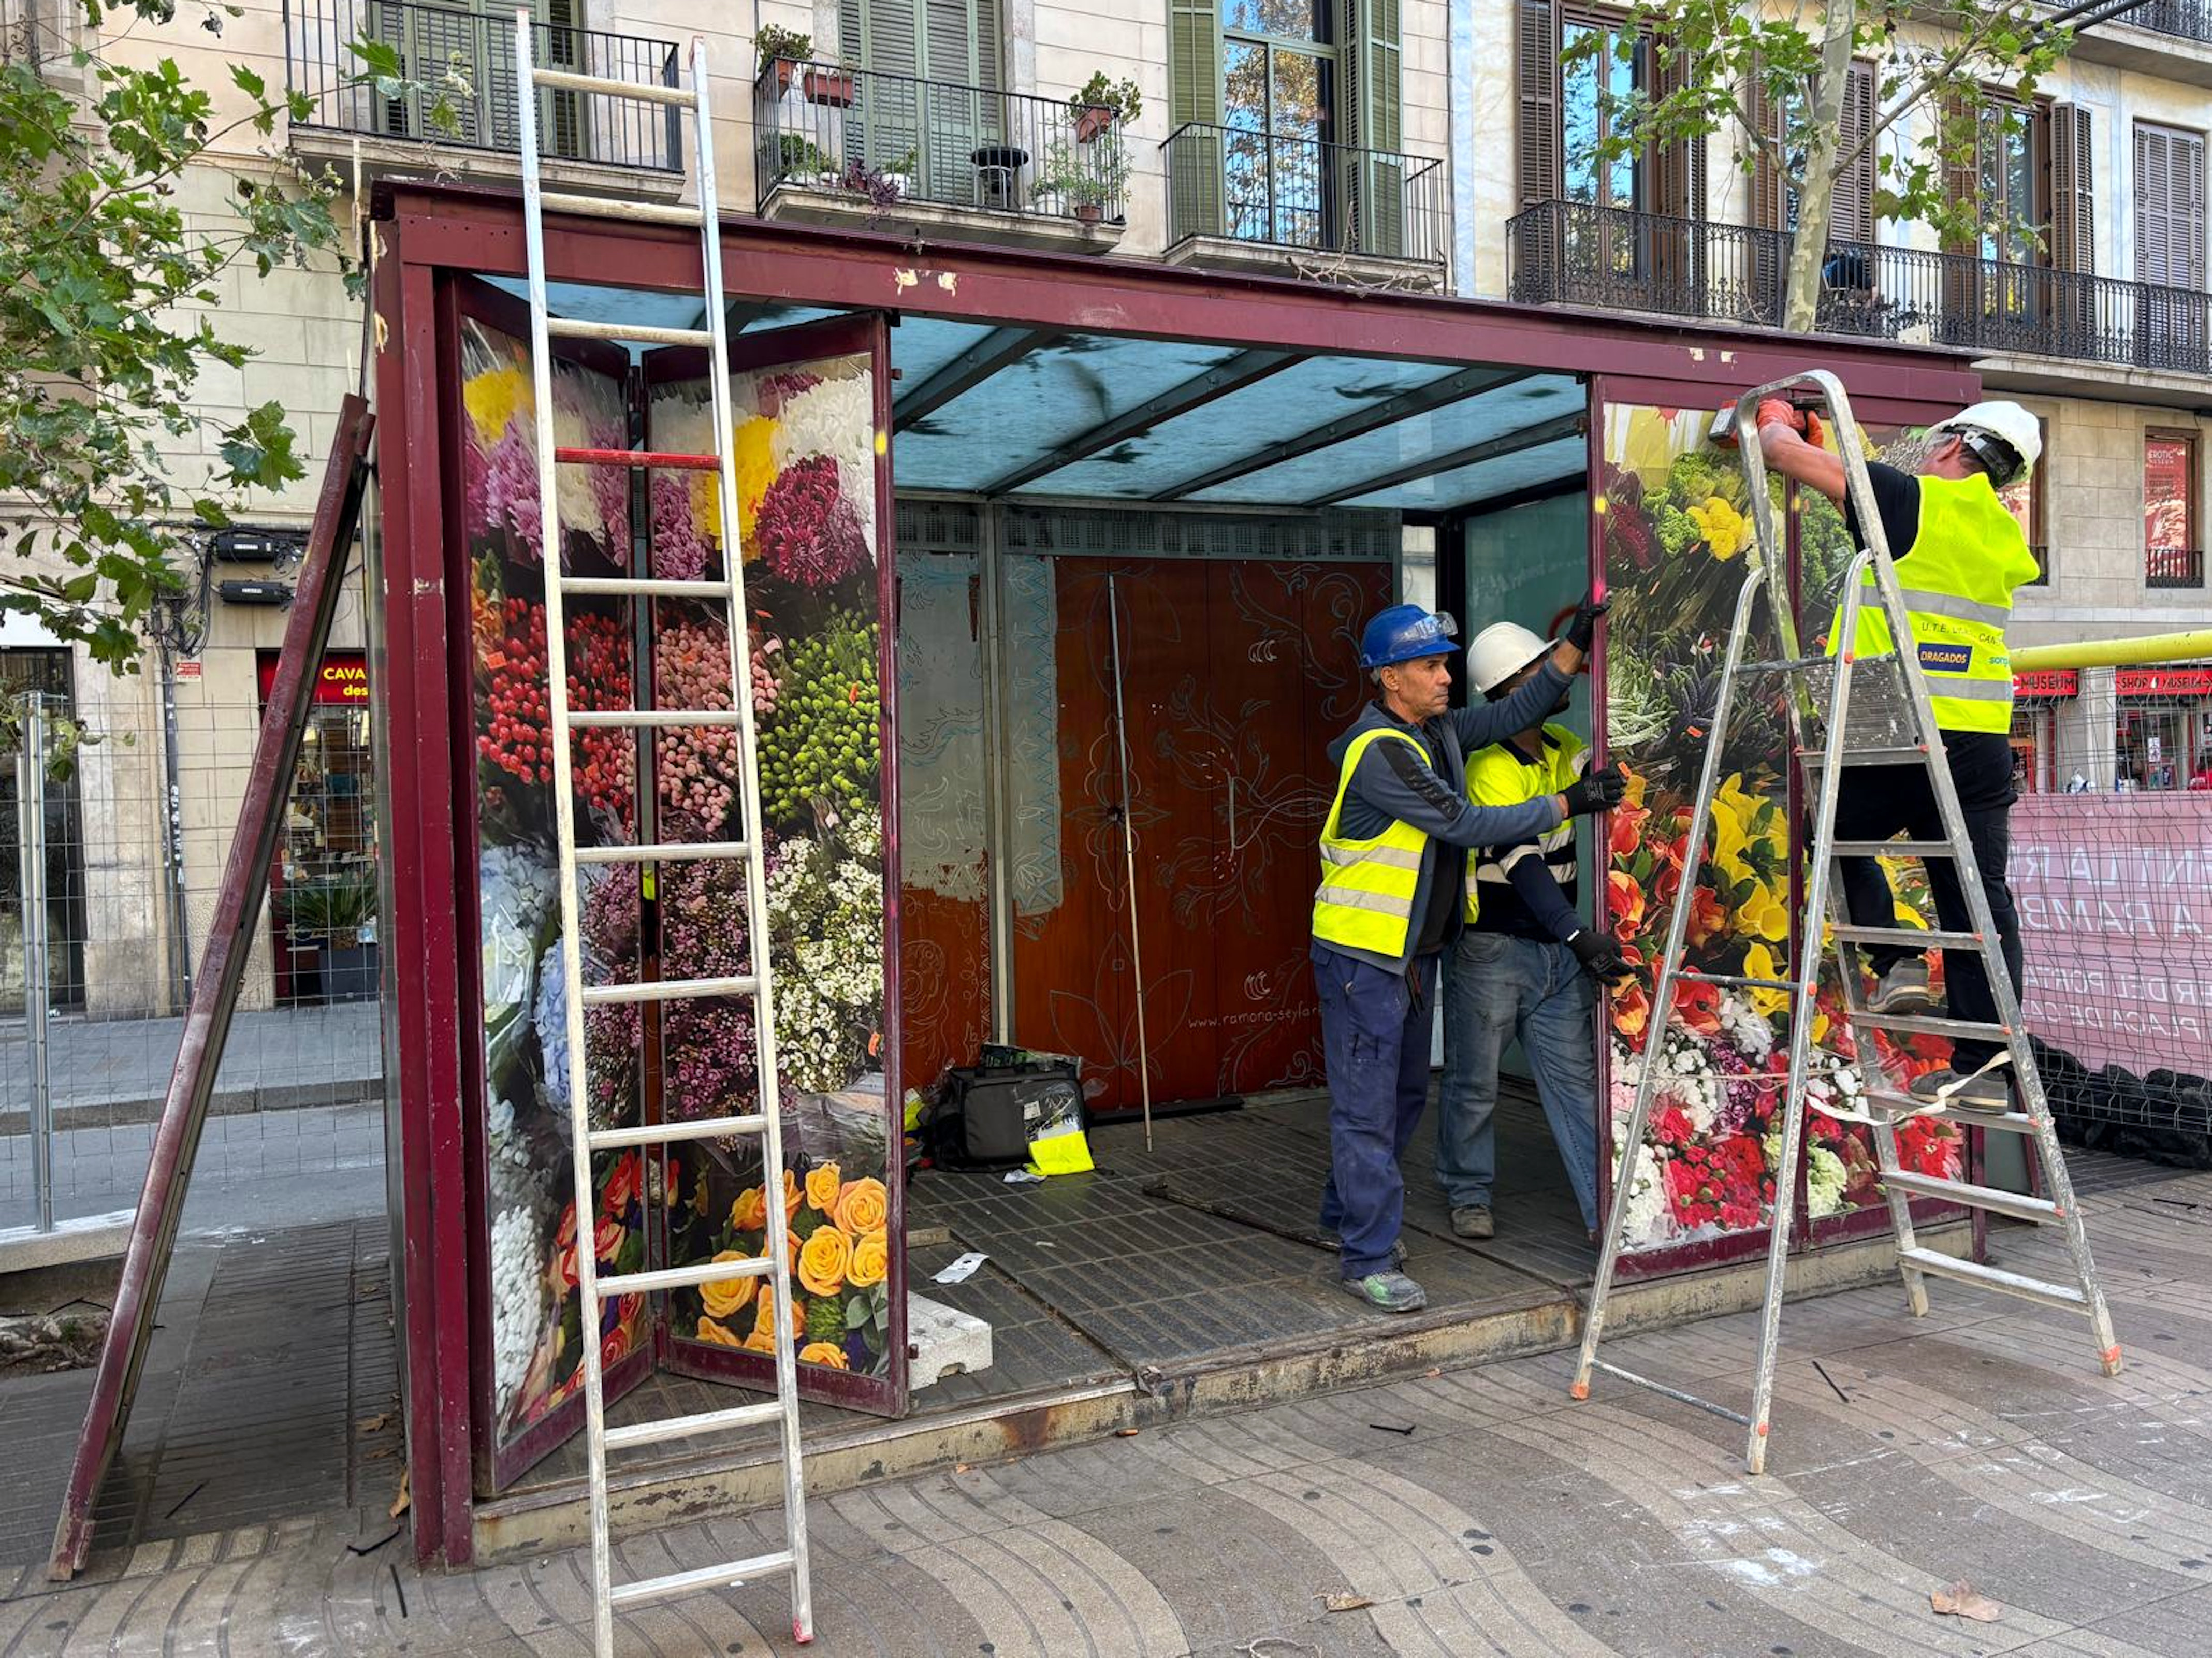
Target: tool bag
{"x": 986, "y": 1115}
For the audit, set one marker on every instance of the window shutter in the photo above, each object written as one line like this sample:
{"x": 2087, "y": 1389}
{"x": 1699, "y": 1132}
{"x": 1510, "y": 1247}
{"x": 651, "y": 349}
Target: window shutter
{"x": 1194, "y": 158}
{"x": 1765, "y": 177}
{"x": 2189, "y": 209}
{"x": 1678, "y": 170}
{"x": 1538, "y": 51}
{"x": 1377, "y": 185}
{"x": 1850, "y": 204}
{"x": 2153, "y": 197}
{"x": 1962, "y": 173}
{"x": 2073, "y": 195}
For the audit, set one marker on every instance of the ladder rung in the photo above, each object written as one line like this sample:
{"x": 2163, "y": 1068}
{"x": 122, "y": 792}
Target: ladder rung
{"x": 668, "y": 990}
{"x": 1894, "y": 849}
{"x": 669, "y": 459}
{"x": 586, "y": 328}
{"x": 602, "y": 207}
{"x": 1676, "y": 1394}
{"x": 703, "y": 1577}
{"x": 1904, "y": 1105}
{"x": 1912, "y": 938}
{"x": 1994, "y": 1277}
{"x": 683, "y": 1277}
{"x": 1928, "y": 1024}
{"x": 630, "y": 587}
{"x": 584, "y": 719}
{"x": 1733, "y": 981}
{"x": 1889, "y": 757}
{"x": 662, "y": 852}
{"x": 644, "y": 92}
{"x": 682, "y": 1427}
{"x": 657, "y": 1133}
{"x": 1785, "y": 664}
{"x": 2015, "y": 1203}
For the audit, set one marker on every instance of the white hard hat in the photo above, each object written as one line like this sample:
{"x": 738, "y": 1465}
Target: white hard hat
{"x": 2008, "y": 422}
{"x": 1499, "y": 651}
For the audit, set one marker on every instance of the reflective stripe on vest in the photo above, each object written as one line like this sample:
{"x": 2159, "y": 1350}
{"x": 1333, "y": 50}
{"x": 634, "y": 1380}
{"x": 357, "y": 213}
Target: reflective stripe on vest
{"x": 1967, "y": 557}
{"x": 1365, "y": 899}
{"x": 1499, "y": 777}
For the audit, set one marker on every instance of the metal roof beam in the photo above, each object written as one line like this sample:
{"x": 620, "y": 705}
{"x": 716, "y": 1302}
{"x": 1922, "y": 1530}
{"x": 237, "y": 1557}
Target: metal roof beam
{"x": 1000, "y": 349}
{"x": 1245, "y": 369}
{"x": 1421, "y": 400}
{"x": 1511, "y": 443}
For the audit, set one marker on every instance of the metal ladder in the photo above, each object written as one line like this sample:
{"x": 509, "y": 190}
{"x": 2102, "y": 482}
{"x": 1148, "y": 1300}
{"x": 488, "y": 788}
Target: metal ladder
{"x": 1905, "y": 733}
{"x": 765, "y": 1124}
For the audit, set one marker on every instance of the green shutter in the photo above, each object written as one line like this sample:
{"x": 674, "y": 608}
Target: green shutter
{"x": 1382, "y": 203}
{"x": 1194, "y": 181}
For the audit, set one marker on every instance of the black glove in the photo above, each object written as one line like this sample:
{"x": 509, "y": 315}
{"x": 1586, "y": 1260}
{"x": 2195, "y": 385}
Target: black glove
{"x": 1600, "y": 952}
{"x": 1582, "y": 632}
{"x": 1598, "y": 791}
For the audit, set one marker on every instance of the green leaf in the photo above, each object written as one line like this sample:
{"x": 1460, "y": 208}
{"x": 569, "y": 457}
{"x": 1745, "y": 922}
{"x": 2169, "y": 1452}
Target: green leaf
{"x": 248, "y": 82}
{"x": 377, "y": 58}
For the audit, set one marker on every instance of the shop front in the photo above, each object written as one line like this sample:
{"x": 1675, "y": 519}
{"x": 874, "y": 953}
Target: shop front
{"x": 2037, "y": 697}
{"x": 322, "y": 881}
{"x": 2162, "y": 727}
{"x": 1039, "y": 555}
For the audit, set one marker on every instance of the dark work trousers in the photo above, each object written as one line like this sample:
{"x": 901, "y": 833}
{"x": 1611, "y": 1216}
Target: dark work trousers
{"x": 1882, "y": 801}
{"x": 1375, "y": 1027}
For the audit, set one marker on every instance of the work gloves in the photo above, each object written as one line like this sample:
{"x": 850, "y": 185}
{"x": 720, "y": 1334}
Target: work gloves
{"x": 1595, "y": 791}
{"x": 1600, "y": 952}
{"x": 1582, "y": 632}
{"x": 1773, "y": 411}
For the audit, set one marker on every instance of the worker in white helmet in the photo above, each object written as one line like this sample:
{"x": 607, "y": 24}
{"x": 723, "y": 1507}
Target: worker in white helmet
{"x": 1526, "y": 964}
{"x": 1960, "y": 556}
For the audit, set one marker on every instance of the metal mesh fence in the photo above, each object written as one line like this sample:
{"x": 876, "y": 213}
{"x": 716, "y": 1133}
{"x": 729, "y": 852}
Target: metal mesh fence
{"x": 122, "y": 796}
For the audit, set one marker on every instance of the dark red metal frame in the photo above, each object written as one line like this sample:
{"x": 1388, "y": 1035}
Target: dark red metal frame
{"x": 428, "y": 234}
{"x": 215, "y": 988}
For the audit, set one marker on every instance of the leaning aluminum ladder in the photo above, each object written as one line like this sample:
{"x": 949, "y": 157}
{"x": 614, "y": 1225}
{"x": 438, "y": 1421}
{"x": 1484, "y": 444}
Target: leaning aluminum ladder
{"x": 1895, "y": 724}
{"x": 586, "y": 1142}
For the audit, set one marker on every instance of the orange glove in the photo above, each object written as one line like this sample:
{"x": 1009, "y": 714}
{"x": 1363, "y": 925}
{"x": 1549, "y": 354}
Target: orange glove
{"x": 1773, "y": 411}
{"x": 1816, "y": 432}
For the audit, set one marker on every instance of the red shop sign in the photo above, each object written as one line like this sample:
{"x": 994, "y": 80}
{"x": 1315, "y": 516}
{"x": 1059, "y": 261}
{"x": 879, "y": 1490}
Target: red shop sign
{"x": 343, "y": 676}
{"x": 2046, "y": 682}
{"x": 2164, "y": 682}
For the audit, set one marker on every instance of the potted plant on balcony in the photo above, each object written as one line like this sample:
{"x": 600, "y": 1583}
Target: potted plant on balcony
{"x": 833, "y": 87}
{"x": 899, "y": 173}
{"x": 1086, "y": 180}
{"x": 782, "y": 50}
{"x": 1102, "y": 104}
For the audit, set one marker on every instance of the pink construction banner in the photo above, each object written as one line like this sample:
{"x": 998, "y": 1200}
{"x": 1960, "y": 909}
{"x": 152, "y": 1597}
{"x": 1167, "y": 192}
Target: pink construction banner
{"x": 2115, "y": 897}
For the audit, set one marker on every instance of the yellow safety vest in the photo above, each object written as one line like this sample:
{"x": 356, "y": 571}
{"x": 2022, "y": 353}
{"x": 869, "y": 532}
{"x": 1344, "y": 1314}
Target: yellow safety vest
{"x": 1967, "y": 556}
{"x": 1498, "y": 776}
{"x": 1365, "y": 899}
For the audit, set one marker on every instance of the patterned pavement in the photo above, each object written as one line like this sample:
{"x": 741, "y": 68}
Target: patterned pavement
{"x": 1467, "y": 1513}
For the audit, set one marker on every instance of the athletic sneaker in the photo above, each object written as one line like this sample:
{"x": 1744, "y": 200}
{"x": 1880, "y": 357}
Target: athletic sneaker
{"x": 1986, "y": 1092}
{"x": 1387, "y": 1292}
{"x": 1473, "y": 1220}
{"x": 1902, "y": 988}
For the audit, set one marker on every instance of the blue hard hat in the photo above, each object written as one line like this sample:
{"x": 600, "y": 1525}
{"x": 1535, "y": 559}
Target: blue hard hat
{"x": 1404, "y": 633}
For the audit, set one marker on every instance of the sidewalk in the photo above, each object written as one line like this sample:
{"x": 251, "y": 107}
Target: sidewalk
{"x": 105, "y": 1073}
{"x": 1469, "y": 1512}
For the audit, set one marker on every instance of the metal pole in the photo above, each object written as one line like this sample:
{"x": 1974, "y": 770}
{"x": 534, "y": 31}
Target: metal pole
{"x": 37, "y": 994}
{"x": 172, "y": 837}
{"x": 1129, "y": 862}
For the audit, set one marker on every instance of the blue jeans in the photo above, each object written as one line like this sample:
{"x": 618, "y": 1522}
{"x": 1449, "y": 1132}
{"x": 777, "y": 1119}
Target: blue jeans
{"x": 1375, "y": 1038}
{"x": 1497, "y": 987}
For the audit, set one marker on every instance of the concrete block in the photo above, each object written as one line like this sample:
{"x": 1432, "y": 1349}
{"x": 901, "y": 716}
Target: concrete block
{"x": 89, "y": 1237}
{"x": 943, "y": 1341}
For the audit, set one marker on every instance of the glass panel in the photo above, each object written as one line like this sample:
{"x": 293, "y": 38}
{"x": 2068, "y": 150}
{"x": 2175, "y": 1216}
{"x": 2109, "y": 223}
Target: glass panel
{"x": 1468, "y": 486}
{"x": 1580, "y": 81}
{"x": 537, "y": 1217}
{"x": 1621, "y": 78}
{"x": 1303, "y": 165}
{"x": 1286, "y": 20}
{"x": 1247, "y": 161}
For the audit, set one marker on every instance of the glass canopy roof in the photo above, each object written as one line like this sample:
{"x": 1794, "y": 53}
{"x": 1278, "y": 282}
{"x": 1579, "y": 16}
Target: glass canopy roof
{"x": 1039, "y": 414}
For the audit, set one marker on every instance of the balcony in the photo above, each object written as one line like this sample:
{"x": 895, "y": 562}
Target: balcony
{"x": 2171, "y": 38}
{"x": 855, "y": 147}
{"x": 2173, "y": 567}
{"x": 588, "y": 140}
{"x": 1294, "y": 206}
{"x": 1613, "y": 259}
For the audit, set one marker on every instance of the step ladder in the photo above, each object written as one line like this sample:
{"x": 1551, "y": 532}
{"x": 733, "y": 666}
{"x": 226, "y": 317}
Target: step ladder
{"x": 608, "y": 1596}
{"x": 1891, "y": 724}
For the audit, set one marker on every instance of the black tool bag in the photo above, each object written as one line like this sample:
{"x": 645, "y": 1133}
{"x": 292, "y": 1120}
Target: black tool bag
{"x": 986, "y": 1115}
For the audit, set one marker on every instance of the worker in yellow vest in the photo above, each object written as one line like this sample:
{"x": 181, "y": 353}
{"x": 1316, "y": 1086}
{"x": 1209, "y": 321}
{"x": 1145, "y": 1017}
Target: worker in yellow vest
{"x": 1960, "y": 555}
{"x": 1394, "y": 860}
{"x": 1527, "y": 965}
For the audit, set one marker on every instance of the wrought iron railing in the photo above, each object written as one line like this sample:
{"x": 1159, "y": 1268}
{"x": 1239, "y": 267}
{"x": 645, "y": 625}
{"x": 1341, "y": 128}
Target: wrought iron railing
{"x": 1297, "y": 192}
{"x": 2173, "y": 567}
{"x": 889, "y": 138}
{"x": 2187, "y": 19}
{"x": 459, "y": 81}
{"x": 1577, "y": 253}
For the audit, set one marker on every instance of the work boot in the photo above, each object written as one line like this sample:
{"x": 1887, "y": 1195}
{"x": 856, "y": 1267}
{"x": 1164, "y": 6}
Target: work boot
{"x": 1330, "y": 1241}
{"x": 1387, "y": 1292}
{"x": 1472, "y": 1220}
{"x": 1985, "y": 1091}
{"x": 1902, "y": 987}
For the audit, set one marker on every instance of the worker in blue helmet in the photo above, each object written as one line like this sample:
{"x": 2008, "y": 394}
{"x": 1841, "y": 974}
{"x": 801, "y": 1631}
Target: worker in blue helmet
{"x": 1392, "y": 897}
